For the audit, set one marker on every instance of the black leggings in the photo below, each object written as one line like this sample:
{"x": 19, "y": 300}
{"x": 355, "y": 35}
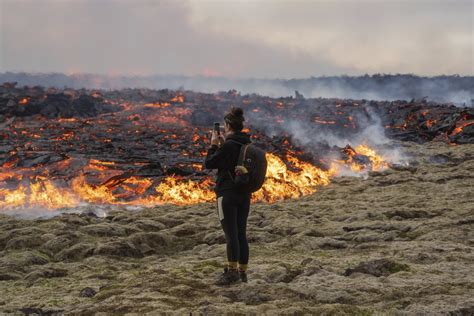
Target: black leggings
{"x": 233, "y": 209}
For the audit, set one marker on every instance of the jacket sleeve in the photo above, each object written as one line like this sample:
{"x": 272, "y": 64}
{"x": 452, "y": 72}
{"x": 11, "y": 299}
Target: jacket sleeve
{"x": 216, "y": 157}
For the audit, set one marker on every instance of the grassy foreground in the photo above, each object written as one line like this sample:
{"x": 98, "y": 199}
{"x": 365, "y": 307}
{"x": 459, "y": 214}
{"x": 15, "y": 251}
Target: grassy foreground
{"x": 400, "y": 241}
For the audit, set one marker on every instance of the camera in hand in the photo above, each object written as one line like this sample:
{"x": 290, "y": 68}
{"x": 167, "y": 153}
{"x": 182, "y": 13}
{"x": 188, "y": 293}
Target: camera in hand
{"x": 217, "y": 127}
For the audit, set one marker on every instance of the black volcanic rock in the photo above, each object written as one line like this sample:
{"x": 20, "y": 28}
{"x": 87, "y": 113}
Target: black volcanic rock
{"x": 380, "y": 267}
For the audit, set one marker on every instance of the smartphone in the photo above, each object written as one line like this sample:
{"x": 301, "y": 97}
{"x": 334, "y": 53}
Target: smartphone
{"x": 217, "y": 127}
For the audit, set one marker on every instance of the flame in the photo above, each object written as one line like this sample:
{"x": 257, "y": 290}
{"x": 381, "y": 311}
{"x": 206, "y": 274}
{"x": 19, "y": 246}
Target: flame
{"x": 136, "y": 185}
{"x": 282, "y": 183}
{"x": 91, "y": 193}
{"x": 40, "y": 193}
{"x": 286, "y": 178}
{"x": 377, "y": 162}
{"x": 12, "y": 198}
{"x": 46, "y": 194}
{"x": 179, "y": 191}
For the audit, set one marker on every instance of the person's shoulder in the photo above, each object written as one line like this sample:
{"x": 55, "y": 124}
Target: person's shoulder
{"x": 231, "y": 143}
{"x": 226, "y": 148}
{"x": 227, "y": 144}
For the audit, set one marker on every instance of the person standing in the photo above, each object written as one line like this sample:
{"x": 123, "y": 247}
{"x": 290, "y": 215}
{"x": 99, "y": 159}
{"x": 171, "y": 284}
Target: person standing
{"x": 233, "y": 204}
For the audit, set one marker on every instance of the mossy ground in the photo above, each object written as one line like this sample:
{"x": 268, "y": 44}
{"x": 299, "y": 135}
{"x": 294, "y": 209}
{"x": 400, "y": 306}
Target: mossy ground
{"x": 165, "y": 259}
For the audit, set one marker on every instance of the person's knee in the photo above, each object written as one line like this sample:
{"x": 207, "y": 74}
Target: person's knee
{"x": 242, "y": 237}
{"x": 231, "y": 236}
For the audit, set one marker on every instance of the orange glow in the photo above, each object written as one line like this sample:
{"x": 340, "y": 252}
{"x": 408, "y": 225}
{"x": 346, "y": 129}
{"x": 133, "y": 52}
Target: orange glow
{"x": 99, "y": 162}
{"x": 40, "y": 193}
{"x": 10, "y": 163}
{"x": 324, "y": 122}
{"x": 91, "y": 193}
{"x": 377, "y": 162}
{"x": 178, "y": 98}
{"x": 430, "y": 123}
{"x": 23, "y": 101}
{"x": 67, "y": 120}
{"x": 157, "y": 105}
{"x": 179, "y": 191}
{"x": 282, "y": 183}
{"x": 286, "y": 178}
{"x": 459, "y": 127}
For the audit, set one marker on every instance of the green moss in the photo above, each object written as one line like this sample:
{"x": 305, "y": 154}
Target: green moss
{"x": 412, "y": 235}
{"x": 104, "y": 294}
{"x": 322, "y": 254}
{"x": 397, "y": 267}
{"x": 344, "y": 309}
{"x": 55, "y": 302}
{"x": 109, "y": 291}
{"x": 26, "y": 258}
{"x": 208, "y": 263}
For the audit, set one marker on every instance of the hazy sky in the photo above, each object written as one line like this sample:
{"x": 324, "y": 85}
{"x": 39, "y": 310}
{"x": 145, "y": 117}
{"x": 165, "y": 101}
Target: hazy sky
{"x": 265, "y": 39}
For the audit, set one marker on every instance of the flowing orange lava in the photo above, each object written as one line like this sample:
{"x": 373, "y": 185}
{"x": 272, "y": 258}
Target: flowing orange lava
{"x": 23, "y": 101}
{"x": 292, "y": 179}
{"x": 459, "y": 127}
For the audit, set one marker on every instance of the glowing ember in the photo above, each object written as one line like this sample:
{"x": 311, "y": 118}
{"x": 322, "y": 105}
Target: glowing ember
{"x": 430, "y": 123}
{"x": 67, "y": 120}
{"x": 178, "y": 98}
{"x": 324, "y": 122}
{"x": 157, "y": 105}
{"x": 23, "y": 101}
{"x": 460, "y": 127}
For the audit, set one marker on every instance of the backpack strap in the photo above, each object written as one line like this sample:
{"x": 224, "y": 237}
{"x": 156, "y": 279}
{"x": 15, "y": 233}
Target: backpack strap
{"x": 241, "y": 156}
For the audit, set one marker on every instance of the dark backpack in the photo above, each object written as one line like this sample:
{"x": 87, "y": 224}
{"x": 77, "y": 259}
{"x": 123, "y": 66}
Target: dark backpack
{"x": 250, "y": 178}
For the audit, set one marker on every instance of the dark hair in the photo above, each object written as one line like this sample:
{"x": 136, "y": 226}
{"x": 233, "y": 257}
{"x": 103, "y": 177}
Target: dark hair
{"x": 235, "y": 118}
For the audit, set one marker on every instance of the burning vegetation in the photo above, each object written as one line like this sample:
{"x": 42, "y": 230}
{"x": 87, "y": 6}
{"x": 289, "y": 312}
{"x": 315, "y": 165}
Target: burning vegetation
{"x": 64, "y": 148}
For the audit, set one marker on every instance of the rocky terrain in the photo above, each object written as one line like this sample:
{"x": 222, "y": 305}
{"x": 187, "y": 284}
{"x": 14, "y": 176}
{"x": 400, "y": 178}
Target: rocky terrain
{"x": 399, "y": 242}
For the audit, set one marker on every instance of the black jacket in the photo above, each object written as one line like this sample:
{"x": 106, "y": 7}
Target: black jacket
{"x": 224, "y": 159}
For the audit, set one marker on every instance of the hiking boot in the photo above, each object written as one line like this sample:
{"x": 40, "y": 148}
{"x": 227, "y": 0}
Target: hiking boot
{"x": 243, "y": 276}
{"x": 228, "y": 277}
